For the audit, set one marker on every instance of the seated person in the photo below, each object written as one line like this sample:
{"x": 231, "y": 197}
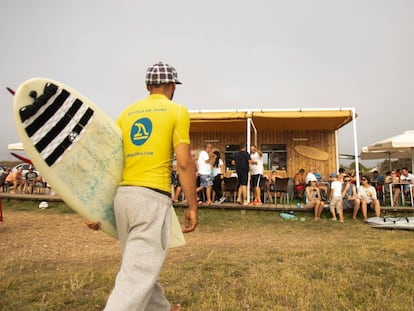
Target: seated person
{"x": 178, "y": 190}
{"x": 353, "y": 178}
{"x": 41, "y": 183}
{"x": 31, "y": 179}
{"x": 270, "y": 187}
{"x": 313, "y": 198}
{"x": 350, "y": 197}
{"x": 310, "y": 175}
{"x": 377, "y": 182}
{"x": 299, "y": 182}
{"x": 407, "y": 178}
{"x": 341, "y": 174}
{"x": 377, "y": 177}
{"x": 16, "y": 179}
{"x": 392, "y": 178}
{"x": 3, "y": 184}
{"x": 270, "y": 184}
{"x": 313, "y": 174}
{"x": 368, "y": 196}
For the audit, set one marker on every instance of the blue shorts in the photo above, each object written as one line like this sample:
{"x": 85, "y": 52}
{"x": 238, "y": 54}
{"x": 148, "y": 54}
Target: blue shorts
{"x": 206, "y": 181}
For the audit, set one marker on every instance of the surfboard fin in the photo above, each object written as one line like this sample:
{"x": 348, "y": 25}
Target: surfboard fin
{"x": 11, "y": 91}
{"x": 28, "y": 111}
{"x": 24, "y": 159}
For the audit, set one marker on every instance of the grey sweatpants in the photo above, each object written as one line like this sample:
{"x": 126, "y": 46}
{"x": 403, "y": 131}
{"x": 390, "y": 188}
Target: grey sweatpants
{"x": 143, "y": 219}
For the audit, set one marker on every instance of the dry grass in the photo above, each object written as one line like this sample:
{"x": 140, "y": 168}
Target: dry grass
{"x": 234, "y": 261}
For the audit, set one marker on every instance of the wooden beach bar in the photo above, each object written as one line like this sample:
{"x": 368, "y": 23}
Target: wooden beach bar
{"x": 289, "y": 139}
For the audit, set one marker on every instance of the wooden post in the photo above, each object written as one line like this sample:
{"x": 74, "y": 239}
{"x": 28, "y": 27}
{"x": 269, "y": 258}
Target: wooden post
{"x": 1, "y": 211}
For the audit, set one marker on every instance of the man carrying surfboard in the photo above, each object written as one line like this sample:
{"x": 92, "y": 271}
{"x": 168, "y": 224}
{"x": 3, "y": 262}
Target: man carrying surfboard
{"x": 152, "y": 130}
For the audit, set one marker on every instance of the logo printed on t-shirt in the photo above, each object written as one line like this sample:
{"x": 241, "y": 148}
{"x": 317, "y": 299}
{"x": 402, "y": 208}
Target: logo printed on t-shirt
{"x": 141, "y": 131}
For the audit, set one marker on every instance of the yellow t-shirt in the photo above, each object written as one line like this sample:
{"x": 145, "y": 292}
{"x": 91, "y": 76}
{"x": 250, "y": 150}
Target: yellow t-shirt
{"x": 151, "y": 129}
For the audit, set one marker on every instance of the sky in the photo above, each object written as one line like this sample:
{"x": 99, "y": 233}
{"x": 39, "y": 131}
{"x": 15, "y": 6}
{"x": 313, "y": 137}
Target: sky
{"x": 234, "y": 54}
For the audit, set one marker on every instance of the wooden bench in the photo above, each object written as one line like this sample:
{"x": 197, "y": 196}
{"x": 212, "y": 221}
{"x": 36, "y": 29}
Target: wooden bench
{"x": 30, "y": 197}
{"x": 396, "y": 209}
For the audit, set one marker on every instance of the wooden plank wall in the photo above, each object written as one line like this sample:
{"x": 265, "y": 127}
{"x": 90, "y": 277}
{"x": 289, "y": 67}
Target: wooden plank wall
{"x": 324, "y": 140}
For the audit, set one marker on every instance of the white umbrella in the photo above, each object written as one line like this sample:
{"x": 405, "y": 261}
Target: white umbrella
{"x": 403, "y": 143}
{"x": 372, "y": 155}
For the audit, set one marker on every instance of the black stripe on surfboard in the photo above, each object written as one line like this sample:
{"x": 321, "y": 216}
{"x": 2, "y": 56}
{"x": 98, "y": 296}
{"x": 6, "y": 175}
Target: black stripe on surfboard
{"x": 60, "y": 125}
{"x": 28, "y": 111}
{"x": 67, "y": 142}
{"x": 53, "y": 107}
{"x": 54, "y": 121}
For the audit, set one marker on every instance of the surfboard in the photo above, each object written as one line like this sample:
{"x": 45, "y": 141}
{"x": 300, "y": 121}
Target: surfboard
{"x": 403, "y": 223}
{"x": 312, "y": 152}
{"x": 76, "y": 147}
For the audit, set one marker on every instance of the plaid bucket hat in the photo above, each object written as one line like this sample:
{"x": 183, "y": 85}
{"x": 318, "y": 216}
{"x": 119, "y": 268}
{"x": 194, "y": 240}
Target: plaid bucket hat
{"x": 161, "y": 73}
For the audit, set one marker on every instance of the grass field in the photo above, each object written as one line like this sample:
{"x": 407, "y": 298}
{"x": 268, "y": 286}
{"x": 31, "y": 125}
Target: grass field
{"x": 234, "y": 261}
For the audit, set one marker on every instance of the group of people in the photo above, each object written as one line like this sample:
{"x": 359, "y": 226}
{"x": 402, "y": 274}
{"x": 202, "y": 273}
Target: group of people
{"x": 18, "y": 182}
{"x": 210, "y": 173}
{"x": 343, "y": 193}
{"x": 396, "y": 178}
{"x": 246, "y": 162}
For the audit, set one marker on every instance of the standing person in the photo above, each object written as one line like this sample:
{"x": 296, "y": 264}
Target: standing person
{"x": 256, "y": 172}
{"x": 368, "y": 196}
{"x": 152, "y": 129}
{"x": 204, "y": 171}
{"x": 218, "y": 175}
{"x": 336, "y": 198}
{"x": 242, "y": 160}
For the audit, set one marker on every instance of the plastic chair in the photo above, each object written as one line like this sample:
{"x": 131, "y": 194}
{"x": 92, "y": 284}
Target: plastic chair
{"x": 263, "y": 189}
{"x": 281, "y": 186}
{"x": 230, "y": 185}
{"x": 3, "y": 185}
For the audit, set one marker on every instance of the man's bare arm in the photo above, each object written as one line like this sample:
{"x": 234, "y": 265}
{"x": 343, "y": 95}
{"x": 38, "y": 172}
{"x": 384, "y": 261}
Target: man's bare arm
{"x": 187, "y": 169}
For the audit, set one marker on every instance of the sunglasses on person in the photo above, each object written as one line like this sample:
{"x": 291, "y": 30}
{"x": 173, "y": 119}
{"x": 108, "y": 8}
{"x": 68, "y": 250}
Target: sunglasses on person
{"x": 347, "y": 180}
{"x": 364, "y": 179}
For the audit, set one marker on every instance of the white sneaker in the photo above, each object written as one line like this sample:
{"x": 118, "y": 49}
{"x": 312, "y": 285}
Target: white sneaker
{"x": 222, "y": 199}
